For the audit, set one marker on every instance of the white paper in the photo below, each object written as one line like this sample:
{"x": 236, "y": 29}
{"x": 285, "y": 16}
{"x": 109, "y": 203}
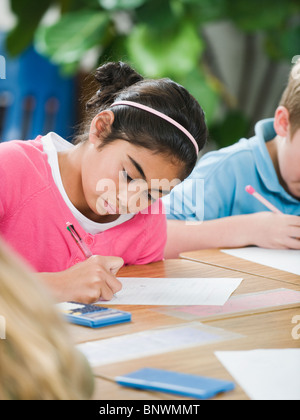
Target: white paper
{"x": 265, "y": 374}
{"x": 282, "y": 259}
{"x": 156, "y": 341}
{"x": 175, "y": 291}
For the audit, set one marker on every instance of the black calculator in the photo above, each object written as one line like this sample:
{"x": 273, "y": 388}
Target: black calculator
{"x": 93, "y": 316}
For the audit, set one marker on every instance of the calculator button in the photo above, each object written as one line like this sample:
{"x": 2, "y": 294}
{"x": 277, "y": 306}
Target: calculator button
{"x": 93, "y": 308}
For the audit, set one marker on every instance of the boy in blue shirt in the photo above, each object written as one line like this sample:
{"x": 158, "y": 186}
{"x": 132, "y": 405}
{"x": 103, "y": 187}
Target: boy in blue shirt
{"x": 214, "y": 196}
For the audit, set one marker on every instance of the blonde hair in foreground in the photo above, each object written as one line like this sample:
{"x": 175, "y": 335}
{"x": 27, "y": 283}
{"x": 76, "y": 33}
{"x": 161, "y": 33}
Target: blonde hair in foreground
{"x": 37, "y": 357}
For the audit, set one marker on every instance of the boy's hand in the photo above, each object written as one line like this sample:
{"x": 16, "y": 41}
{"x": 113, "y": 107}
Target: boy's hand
{"x": 272, "y": 230}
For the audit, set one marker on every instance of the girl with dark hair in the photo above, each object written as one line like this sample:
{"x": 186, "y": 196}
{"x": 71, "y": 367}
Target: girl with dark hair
{"x": 141, "y": 138}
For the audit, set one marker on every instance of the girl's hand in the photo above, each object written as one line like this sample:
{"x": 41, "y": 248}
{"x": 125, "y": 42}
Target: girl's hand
{"x": 87, "y": 281}
{"x": 272, "y": 230}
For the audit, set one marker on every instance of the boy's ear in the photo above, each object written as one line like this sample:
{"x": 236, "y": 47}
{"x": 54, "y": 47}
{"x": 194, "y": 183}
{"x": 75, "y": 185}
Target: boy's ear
{"x": 282, "y": 121}
{"x": 101, "y": 125}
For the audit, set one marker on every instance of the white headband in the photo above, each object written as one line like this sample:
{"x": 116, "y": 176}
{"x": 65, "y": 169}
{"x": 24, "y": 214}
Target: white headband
{"x": 161, "y": 115}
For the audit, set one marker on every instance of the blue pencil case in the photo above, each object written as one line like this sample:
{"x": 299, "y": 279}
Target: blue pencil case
{"x": 174, "y": 382}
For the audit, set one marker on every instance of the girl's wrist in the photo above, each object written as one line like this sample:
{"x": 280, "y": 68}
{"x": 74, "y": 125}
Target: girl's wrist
{"x": 55, "y": 284}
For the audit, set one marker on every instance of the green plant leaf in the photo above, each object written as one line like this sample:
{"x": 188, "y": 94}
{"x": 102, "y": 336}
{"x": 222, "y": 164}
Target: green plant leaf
{"x": 258, "y": 14}
{"x": 121, "y": 4}
{"x": 172, "y": 53}
{"x": 233, "y": 127}
{"x": 290, "y": 42}
{"x": 29, "y": 10}
{"x": 28, "y": 16}
{"x": 159, "y": 16}
{"x": 66, "y": 41}
{"x": 73, "y": 5}
{"x": 115, "y": 50}
{"x": 283, "y": 44}
{"x": 205, "y": 10}
{"x": 198, "y": 84}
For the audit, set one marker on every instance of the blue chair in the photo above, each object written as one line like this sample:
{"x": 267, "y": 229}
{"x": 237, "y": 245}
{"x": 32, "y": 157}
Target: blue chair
{"x": 34, "y": 97}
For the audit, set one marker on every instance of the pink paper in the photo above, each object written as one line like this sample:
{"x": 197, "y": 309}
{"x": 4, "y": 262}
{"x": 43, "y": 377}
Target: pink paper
{"x": 241, "y": 303}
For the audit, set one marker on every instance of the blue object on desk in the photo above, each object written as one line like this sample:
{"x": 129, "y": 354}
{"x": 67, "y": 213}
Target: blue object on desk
{"x": 175, "y": 382}
{"x": 93, "y": 316}
{"x": 34, "y": 97}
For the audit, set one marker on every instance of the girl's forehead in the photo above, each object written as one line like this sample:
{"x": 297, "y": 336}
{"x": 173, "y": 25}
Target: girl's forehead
{"x": 129, "y": 150}
{"x": 149, "y": 163}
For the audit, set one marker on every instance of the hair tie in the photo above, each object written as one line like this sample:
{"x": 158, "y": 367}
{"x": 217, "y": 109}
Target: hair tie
{"x": 161, "y": 115}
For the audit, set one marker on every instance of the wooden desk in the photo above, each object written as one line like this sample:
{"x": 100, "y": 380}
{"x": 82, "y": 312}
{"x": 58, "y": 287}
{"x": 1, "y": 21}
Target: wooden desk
{"x": 270, "y": 329}
{"x": 217, "y": 258}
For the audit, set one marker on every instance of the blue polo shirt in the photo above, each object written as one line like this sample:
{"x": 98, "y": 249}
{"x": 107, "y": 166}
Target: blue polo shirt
{"x": 216, "y": 187}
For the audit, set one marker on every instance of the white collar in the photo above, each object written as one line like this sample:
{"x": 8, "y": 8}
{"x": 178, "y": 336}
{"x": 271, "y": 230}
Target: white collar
{"x": 52, "y": 144}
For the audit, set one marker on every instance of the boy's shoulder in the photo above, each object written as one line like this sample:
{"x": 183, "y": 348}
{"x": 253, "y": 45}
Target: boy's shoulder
{"x": 245, "y": 149}
{"x": 238, "y": 154}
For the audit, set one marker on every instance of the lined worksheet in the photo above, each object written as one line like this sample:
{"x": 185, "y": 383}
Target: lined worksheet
{"x": 175, "y": 291}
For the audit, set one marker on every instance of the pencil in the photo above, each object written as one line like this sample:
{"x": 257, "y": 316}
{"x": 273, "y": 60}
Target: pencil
{"x": 81, "y": 245}
{"x": 260, "y": 198}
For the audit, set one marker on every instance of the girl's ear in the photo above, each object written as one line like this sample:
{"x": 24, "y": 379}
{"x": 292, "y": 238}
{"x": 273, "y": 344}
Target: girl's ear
{"x": 282, "y": 121}
{"x": 101, "y": 126}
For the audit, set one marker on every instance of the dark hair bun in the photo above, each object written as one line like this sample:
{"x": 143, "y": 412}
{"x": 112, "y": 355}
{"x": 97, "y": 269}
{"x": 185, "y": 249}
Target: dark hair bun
{"x": 112, "y": 78}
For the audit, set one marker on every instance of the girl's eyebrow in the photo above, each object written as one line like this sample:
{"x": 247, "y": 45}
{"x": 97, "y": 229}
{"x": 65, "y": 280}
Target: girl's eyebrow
{"x": 138, "y": 167}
